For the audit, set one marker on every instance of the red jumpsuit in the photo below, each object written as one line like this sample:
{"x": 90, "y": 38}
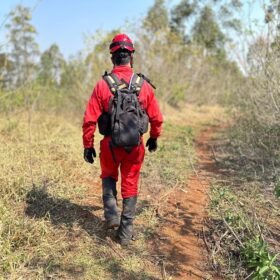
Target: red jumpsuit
{"x": 129, "y": 163}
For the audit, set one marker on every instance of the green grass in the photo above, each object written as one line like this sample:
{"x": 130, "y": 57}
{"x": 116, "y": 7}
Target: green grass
{"x": 277, "y": 189}
{"x": 259, "y": 259}
{"x": 241, "y": 240}
{"x": 171, "y": 163}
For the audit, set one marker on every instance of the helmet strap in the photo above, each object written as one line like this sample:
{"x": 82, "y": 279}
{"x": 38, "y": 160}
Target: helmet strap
{"x": 131, "y": 60}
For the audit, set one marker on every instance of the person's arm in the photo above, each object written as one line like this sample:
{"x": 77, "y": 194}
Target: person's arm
{"x": 155, "y": 119}
{"x": 93, "y": 110}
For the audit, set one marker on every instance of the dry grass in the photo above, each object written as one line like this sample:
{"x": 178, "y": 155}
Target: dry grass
{"x": 51, "y": 212}
{"x": 257, "y": 129}
{"x": 244, "y": 214}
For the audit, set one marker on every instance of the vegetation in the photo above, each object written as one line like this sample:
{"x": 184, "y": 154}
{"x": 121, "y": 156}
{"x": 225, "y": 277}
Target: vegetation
{"x": 241, "y": 231}
{"x": 24, "y": 48}
{"x": 50, "y": 206}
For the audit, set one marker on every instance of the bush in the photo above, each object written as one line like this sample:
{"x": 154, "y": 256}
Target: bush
{"x": 257, "y": 130}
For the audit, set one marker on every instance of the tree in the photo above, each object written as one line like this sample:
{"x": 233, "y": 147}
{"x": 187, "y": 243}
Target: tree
{"x": 75, "y": 73}
{"x": 223, "y": 12}
{"x": 6, "y": 68}
{"x": 157, "y": 17}
{"x": 51, "y": 66}
{"x": 98, "y": 59}
{"x": 257, "y": 56}
{"x": 24, "y": 49}
{"x": 179, "y": 14}
{"x": 206, "y": 31}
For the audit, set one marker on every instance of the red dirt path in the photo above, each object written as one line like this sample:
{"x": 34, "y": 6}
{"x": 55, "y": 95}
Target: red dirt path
{"x": 181, "y": 227}
{"x": 181, "y": 231}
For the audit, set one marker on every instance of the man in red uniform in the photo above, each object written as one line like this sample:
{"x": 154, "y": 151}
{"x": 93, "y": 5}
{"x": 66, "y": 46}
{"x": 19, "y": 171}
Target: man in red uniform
{"x": 113, "y": 158}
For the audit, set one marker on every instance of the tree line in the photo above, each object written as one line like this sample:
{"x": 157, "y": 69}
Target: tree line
{"x": 187, "y": 23}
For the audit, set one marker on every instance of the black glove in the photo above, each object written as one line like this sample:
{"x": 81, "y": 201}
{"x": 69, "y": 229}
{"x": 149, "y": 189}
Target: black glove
{"x": 89, "y": 154}
{"x": 152, "y": 144}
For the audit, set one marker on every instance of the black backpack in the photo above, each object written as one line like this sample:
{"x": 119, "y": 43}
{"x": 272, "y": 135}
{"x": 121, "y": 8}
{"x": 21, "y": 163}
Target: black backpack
{"x": 125, "y": 121}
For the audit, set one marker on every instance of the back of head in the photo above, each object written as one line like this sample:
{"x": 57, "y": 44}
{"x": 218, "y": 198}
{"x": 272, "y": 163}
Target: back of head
{"x": 122, "y": 50}
{"x": 121, "y": 57}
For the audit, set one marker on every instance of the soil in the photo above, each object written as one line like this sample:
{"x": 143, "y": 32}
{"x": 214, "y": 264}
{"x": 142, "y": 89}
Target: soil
{"x": 182, "y": 225}
{"x": 182, "y": 213}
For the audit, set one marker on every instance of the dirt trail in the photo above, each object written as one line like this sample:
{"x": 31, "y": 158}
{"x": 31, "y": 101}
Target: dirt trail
{"x": 182, "y": 224}
{"x": 183, "y": 212}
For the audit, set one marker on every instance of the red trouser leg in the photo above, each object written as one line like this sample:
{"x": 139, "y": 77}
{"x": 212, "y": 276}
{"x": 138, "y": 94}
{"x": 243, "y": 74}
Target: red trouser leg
{"x": 109, "y": 166}
{"x": 130, "y": 164}
{"x": 130, "y": 171}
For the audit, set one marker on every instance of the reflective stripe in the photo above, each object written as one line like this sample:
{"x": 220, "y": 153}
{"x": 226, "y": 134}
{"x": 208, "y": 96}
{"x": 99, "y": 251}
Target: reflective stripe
{"x": 137, "y": 80}
{"x": 111, "y": 79}
{"x": 122, "y": 86}
{"x": 115, "y": 84}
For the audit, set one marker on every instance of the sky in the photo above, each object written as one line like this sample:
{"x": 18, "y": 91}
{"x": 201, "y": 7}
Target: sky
{"x": 66, "y": 21}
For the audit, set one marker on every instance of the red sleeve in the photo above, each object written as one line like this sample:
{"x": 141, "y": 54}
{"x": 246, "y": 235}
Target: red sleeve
{"x": 154, "y": 113}
{"x": 93, "y": 110}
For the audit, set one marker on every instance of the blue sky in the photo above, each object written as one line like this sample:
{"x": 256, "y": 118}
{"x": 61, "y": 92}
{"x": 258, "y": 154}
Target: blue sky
{"x": 65, "y": 21}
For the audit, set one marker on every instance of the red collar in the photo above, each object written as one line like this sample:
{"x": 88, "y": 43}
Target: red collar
{"x": 122, "y": 68}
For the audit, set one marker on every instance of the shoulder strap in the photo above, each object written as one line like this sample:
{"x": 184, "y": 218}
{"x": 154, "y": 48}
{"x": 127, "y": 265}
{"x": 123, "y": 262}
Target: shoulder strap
{"x": 137, "y": 83}
{"x": 146, "y": 79}
{"x": 113, "y": 82}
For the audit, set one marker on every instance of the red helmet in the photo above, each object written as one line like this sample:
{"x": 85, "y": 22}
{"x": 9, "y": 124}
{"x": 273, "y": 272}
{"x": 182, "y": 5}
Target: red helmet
{"x": 121, "y": 41}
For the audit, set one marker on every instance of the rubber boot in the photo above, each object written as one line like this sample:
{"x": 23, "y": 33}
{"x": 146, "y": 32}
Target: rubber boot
{"x": 111, "y": 214}
{"x": 125, "y": 231}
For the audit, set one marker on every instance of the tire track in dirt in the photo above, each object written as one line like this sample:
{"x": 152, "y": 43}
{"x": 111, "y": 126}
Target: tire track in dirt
{"x": 181, "y": 229}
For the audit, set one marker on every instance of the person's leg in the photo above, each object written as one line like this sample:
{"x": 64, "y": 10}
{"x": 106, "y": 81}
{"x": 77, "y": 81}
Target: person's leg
{"x": 109, "y": 175}
{"x": 130, "y": 171}
{"x": 125, "y": 230}
{"x": 109, "y": 197}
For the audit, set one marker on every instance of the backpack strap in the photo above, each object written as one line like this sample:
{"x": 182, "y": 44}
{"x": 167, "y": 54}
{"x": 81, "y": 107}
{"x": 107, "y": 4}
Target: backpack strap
{"x": 146, "y": 79}
{"x": 137, "y": 83}
{"x": 113, "y": 82}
